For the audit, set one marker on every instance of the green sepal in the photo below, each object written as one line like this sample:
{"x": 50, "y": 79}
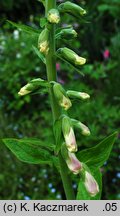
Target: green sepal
{"x": 25, "y": 28}
{"x": 33, "y": 152}
{"x": 97, "y": 155}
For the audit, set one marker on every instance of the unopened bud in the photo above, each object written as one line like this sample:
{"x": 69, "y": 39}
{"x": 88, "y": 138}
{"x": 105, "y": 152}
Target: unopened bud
{"x": 91, "y": 184}
{"x": 71, "y": 8}
{"x": 43, "y": 41}
{"x": 32, "y": 86}
{"x": 79, "y": 60}
{"x": 68, "y": 134}
{"x": 71, "y": 56}
{"x": 78, "y": 95}
{"x": 84, "y": 129}
{"x": 53, "y": 16}
{"x": 74, "y": 165}
{"x": 24, "y": 90}
{"x": 61, "y": 96}
{"x": 68, "y": 33}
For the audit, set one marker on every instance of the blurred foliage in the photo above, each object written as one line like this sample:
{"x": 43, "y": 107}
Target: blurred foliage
{"x": 30, "y": 116}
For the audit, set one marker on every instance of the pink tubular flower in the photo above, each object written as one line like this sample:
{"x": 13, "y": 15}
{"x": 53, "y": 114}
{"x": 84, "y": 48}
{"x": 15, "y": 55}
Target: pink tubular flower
{"x": 70, "y": 140}
{"x": 73, "y": 163}
{"x": 106, "y": 54}
{"x": 90, "y": 184}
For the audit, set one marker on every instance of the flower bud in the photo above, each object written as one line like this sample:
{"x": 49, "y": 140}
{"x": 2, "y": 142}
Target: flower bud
{"x": 32, "y": 86}
{"x": 53, "y": 16}
{"x": 91, "y": 184}
{"x": 68, "y": 134}
{"x": 71, "y": 56}
{"x": 61, "y": 96}
{"x": 78, "y": 95}
{"x": 71, "y": 8}
{"x": 84, "y": 129}
{"x": 68, "y": 33}
{"x": 43, "y": 41}
{"x": 73, "y": 163}
{"x": 24, "y": 90}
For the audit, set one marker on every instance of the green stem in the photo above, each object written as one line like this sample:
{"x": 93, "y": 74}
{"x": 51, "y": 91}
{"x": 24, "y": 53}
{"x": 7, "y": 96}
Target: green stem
{"x": 56, "y": 111}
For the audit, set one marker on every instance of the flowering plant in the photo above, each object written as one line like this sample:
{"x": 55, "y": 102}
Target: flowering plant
{"x": 65, "y": 153}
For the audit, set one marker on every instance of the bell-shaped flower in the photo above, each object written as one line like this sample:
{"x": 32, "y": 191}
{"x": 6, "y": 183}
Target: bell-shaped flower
{"x": 74, "y": 165}
{"x": 53, "y": 16}
{"x": 43, "y": 41}
{"x": 67, "y": 33}
{"x": 70, "y": 56}
{"x": 84, "y": 129}
{"x": 91, "y": 184}
{"x": 71, "y": 8}
{"x": 68, "y": 134}
{"x": 61, "y": 96}
{"x": 32, "y": 86}
{"x": 78, "y": 95}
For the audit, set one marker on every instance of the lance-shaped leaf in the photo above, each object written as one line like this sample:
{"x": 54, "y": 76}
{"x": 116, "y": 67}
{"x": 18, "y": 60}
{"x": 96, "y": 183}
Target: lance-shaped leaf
{"x": 83, "y": 194}
{"x": 97, "y": 155}
{"x": 58, "y": 134}
{"x": 42, "y": 1}
{"x": 25, "y": 28}
{"x": 33, "y": 86}
{"x": 39, "y": 54}
{"x": 29, "y": 151}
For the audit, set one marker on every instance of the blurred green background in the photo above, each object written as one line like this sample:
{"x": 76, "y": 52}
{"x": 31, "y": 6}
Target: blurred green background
{"x": 30, "y": 116}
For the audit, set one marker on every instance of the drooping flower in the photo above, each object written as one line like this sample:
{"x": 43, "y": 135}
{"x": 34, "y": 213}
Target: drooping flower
{"x": 91, "y": 184}
{"x": 53, "y": 16}
{"x": 43, "y": 41}
{"x": 74, "y": 165}
{"x": 68, "y": 134}
{"x": 61, "y": 96}
{"x": 78, "y": 95}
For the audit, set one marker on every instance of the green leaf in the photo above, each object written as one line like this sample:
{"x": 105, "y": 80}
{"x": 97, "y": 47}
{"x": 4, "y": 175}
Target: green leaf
{"x": 43, "y": 22}
{"x": 42, "y": 1}
{"x": 29, "y": 151}
{"x": 39, "y": 54}
{"x": 82, "y": 193}
{"x": 38, "y": 143}
{"x": 25, "y": 28}
{"x": 97, "y": 155}
{"x": 58, "y": 134}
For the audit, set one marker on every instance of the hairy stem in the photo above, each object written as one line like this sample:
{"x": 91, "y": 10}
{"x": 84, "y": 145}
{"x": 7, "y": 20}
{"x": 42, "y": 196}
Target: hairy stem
{"x": 56, "y": 111}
